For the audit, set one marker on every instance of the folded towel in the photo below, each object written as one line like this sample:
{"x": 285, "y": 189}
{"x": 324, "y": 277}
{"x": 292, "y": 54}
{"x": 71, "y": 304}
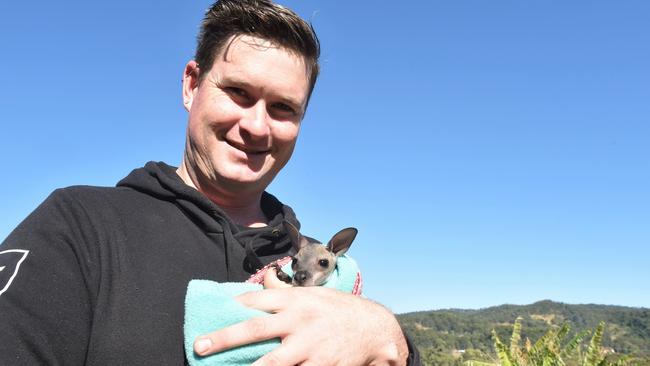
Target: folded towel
{"x": 211, "y": 306}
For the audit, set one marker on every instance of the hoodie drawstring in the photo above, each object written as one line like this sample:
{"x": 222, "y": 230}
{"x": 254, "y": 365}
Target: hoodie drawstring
{"x": 251, "y": 257}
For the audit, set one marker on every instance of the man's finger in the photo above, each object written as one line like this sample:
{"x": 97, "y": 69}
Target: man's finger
{"x": 276, "y": 300}
{"x": 281, "y": 356}
{"x": 310, "y": 363}
{"x": 250, "y": 331}
{"x": 269, "y": 300}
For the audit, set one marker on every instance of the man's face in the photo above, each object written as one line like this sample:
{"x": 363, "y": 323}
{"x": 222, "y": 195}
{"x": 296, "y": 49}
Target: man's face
{"x": 244, "y": 116}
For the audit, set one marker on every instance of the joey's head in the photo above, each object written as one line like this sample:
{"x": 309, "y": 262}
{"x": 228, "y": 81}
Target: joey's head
{"x": 314, "y": 262}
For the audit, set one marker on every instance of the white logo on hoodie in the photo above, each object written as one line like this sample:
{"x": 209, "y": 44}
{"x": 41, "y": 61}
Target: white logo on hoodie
{"x": 10, "y": 261}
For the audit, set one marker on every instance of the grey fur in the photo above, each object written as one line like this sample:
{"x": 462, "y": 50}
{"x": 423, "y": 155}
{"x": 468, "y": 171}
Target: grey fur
{"x": 314, "y": 262}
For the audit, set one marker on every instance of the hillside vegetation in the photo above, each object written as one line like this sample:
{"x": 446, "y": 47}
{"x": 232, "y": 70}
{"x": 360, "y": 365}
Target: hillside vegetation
{"x": 452, "y": 337}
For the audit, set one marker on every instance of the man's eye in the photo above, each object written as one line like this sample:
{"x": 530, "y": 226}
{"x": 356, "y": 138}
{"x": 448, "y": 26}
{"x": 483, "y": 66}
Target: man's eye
{"x": 236, "y": 92}
{"x": 283, "y": 108}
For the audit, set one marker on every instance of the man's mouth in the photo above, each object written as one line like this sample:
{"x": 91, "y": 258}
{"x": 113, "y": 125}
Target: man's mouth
{"x": 253, "y": 150}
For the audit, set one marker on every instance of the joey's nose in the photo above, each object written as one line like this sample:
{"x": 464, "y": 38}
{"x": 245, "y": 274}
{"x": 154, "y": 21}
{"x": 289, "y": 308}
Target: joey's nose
{"x": 300, "y": 277}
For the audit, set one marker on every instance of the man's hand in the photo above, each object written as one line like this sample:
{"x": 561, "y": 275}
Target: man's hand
{"x": 318, "y": 326}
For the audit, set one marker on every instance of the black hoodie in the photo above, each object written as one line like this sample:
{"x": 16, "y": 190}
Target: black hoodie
{"x": 105, "y": 277}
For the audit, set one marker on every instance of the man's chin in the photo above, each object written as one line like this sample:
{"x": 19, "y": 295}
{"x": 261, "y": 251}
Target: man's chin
{"x": 245, "y": 180}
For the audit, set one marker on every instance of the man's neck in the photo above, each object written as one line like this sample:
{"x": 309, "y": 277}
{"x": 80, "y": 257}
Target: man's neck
{"x": 242, "y": 209}
{"x": 249, "y": 217}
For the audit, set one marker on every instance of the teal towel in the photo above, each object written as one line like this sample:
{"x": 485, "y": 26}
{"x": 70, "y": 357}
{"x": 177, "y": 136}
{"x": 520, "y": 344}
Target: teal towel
{"x": 210, "y": 306}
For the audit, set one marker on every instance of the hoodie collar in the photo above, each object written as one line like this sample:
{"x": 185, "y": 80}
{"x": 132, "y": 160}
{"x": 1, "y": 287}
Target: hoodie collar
{"x": 160, "y": 180}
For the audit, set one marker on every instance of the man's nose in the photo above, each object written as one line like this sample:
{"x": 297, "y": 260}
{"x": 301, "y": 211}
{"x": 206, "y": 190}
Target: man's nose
{"x": 255, "y": 122}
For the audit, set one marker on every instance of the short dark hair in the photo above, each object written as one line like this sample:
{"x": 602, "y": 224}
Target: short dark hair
{"x": 259, "y": 18}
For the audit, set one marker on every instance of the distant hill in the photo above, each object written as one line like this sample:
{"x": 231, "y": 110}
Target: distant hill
{"x": 449, "y": 334}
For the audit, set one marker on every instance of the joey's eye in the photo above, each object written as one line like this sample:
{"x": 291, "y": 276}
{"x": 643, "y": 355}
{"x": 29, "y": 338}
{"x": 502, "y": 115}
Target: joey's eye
{"x": 324, "y": 263}
{"x": 294, "y": 261}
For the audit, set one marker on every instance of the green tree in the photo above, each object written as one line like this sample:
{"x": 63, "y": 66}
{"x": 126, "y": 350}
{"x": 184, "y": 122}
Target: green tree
{"x": 552, "y": 349}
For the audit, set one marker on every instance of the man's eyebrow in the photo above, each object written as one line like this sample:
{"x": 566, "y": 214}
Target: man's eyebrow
{"x": 230, "y": 81}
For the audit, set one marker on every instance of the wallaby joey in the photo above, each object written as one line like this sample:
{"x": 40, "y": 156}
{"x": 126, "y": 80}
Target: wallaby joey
{"x": 314, "y": 262}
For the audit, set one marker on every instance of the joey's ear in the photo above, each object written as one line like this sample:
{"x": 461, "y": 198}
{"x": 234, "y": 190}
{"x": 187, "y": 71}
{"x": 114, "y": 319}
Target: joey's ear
{"x": 190, "y": 83}
{"x": 297, "y": 241}
{"x": 341, "y": 242}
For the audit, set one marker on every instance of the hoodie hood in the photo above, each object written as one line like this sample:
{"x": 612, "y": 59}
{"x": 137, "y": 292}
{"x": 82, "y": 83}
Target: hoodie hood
{"x": 261, "y": 245}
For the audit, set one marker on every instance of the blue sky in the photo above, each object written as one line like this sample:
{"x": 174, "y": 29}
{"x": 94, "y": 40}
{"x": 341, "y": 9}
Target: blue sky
{"x": 488, "y": 152}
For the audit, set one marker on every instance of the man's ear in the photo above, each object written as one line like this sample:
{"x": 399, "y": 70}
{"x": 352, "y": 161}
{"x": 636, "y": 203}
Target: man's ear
{"x": 190, "y": 83}
{"x": 341, "y": 242}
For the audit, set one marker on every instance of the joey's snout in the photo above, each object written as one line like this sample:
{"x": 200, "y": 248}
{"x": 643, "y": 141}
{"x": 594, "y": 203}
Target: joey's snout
{"x": 300, "y": 278}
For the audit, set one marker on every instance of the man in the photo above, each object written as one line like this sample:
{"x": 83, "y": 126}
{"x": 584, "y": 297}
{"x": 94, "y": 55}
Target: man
{"x": 100, "y": 274}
